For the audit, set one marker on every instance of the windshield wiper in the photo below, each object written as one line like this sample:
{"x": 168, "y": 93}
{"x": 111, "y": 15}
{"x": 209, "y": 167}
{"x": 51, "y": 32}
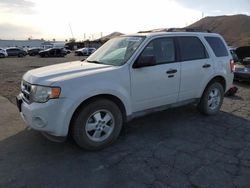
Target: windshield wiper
{"x": 97, "y": 62}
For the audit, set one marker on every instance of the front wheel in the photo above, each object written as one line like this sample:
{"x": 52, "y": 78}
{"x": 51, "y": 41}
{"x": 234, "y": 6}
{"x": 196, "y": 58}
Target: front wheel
{"x": 211, "y": 99}
{"x": 97, "y": 124}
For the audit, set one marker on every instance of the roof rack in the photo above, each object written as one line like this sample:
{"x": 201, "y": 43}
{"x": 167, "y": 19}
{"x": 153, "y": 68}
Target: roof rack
{"x": 153, "y": 31}
{"x": 177, "y": 30}
{"x": 188, "y": 30}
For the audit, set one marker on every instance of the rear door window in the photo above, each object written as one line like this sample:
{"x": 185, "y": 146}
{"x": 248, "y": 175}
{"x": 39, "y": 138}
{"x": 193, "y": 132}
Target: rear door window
{"x": 191, "y": 48}
{"x": 217, "y": 46}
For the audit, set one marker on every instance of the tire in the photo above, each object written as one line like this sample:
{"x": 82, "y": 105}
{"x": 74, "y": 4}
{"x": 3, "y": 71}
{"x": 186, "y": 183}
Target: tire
{"x": 20, "y": 55}
{"x": 211, "y": 99}
{"x": 97, "y": 125}
{"x": 2, "y": 55}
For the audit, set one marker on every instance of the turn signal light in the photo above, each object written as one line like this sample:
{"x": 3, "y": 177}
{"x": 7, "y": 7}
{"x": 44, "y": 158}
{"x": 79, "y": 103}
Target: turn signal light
{"x": 55, "y": 92}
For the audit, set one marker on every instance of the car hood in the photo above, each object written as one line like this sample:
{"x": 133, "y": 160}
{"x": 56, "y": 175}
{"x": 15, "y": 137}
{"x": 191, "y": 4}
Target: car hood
{"x": 243, "y": 52}
{"x": 64, "y": 71}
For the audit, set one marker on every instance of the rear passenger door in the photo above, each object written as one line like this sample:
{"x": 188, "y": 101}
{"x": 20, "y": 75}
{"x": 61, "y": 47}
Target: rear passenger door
{"x": 196, "y": 67}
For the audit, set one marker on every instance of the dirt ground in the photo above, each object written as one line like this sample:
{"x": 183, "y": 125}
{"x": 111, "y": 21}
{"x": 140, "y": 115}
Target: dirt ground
{"x": 12, "y": 70}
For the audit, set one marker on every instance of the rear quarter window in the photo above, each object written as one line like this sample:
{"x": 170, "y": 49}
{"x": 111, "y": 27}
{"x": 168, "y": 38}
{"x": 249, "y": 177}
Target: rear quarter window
{"x": 217, "y": 46}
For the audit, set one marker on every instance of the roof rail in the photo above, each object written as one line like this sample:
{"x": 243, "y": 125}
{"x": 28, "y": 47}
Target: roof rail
{"x": 177, "y": 30}
{"x": 154, "y": 31}
{"x": 149, "y": 31}
{"x": 188, "y": 30}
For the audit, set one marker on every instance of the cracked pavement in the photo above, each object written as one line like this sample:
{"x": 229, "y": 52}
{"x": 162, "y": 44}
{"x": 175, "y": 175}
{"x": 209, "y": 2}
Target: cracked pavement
{"x": 175, "y": 148}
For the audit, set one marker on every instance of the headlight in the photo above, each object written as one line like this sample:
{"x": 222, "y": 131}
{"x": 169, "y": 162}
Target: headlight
{"x": 42, "y": 94}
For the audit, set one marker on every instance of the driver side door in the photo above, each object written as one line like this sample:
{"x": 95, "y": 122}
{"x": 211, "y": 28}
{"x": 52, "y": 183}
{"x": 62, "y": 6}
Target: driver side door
{"x": 158, "y": 85}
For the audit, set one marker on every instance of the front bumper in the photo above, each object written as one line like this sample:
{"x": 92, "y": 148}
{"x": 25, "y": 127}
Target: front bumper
{"x": 49, "y": 117}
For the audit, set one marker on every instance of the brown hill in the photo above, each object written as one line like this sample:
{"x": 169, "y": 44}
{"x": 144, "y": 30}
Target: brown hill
{"x": 235, "y": 29}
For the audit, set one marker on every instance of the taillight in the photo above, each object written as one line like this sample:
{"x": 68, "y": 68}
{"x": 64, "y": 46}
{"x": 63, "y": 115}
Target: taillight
{"x": 232, "y": 65}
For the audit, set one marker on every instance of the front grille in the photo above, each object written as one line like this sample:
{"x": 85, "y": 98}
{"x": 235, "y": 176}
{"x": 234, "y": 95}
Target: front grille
{"x": 26, "y": 90}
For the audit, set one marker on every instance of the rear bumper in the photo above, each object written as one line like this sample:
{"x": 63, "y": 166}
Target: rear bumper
{"x": 242, "y": 76}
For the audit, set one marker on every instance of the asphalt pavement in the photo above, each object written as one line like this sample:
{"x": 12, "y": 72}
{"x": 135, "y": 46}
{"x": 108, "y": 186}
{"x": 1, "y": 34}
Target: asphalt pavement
{"x": 174, "y": 148}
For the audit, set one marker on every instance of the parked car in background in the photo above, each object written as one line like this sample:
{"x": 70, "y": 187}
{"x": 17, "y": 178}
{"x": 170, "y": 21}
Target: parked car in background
{"x": 34, "y": 51}
{"x": 242, "y": 67}
{"x": 13, "y": 51}
{"x": 67, "y": 50}
{"x": 85, "y": 51}
{"x": 3, "y": 53}
{"x": 53, "y": 52}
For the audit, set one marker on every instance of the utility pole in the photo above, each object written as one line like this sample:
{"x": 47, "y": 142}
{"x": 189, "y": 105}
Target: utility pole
{"x": 71, "y": 31}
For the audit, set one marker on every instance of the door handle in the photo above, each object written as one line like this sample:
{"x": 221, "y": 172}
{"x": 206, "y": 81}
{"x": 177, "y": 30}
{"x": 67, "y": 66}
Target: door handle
{"x": 171, "y": 71}
{"x": 206, "y": 66}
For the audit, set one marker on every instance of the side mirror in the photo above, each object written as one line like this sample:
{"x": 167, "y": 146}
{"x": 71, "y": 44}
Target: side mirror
{"x": 145, "y": 61}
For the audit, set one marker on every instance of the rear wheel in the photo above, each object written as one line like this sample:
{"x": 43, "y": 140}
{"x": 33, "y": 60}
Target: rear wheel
{"x": 212, "y": 99}
{"x": 97, "y": 125}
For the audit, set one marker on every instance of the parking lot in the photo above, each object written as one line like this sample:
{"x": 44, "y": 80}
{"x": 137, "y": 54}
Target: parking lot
{"x": 174, "y": 148}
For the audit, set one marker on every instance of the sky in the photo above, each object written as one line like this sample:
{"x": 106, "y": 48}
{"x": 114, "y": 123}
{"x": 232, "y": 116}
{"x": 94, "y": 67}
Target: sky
{"x": 82, "y": 19}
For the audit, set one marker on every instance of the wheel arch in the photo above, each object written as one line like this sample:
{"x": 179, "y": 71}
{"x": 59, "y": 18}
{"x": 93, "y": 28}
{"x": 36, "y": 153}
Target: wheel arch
{"x": 110, "y": 97}
{"x": 218, "y": 78}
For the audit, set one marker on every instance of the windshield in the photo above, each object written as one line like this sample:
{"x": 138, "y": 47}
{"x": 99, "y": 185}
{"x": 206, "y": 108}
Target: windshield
{"x": 116, "y": 51}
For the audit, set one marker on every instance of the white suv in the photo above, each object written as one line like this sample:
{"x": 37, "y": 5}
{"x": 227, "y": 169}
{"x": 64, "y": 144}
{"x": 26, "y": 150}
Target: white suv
{"x": 127, "y": 77}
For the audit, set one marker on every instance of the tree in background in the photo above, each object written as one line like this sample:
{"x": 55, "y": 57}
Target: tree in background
{"x": 72, "y": 40}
